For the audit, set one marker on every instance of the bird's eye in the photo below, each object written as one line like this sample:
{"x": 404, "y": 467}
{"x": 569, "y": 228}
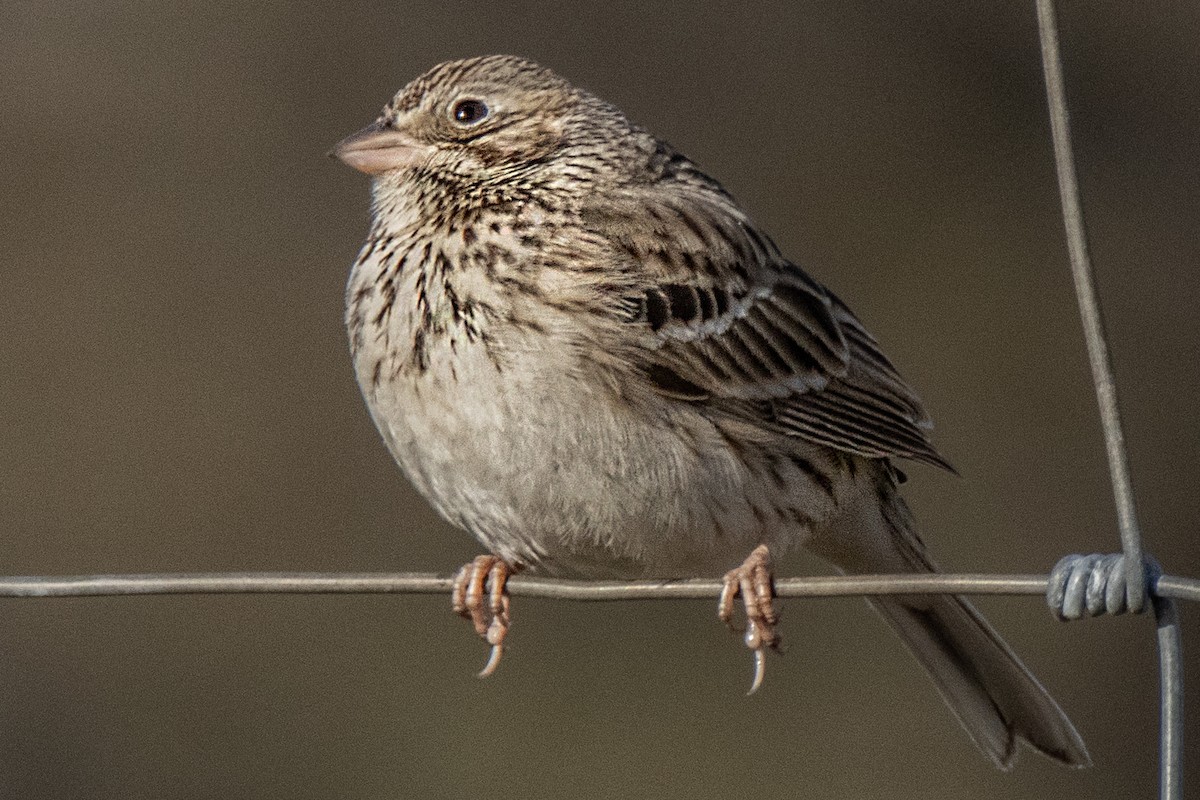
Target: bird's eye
{"x": 469, "y": 112}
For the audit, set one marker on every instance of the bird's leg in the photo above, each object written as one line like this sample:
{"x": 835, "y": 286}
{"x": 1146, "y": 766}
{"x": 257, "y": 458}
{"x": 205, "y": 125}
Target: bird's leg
{"x": 479, "y": 596}
{"x": 754, "y": 581}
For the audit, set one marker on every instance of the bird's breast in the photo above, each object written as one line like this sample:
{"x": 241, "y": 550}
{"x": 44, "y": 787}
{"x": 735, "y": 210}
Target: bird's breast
{"x": 513, "y": 432}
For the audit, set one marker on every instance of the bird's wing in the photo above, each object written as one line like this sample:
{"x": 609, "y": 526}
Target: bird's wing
{"x": 729, "y": 321}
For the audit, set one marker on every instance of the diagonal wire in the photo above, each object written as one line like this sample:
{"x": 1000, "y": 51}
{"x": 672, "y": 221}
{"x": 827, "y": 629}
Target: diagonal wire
{"x": 1089, "y": 307}
{"x": 1170, "y": 647}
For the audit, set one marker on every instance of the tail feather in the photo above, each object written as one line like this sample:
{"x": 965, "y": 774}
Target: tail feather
{"x": 995, "y": 697}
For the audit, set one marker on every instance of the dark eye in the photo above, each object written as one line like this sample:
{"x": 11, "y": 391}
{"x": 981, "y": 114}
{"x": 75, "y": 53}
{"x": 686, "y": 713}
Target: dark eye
{"x": 470, "y": 112}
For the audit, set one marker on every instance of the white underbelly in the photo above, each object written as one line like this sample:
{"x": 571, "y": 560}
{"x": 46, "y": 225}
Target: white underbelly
{"x": 558, "y": 474}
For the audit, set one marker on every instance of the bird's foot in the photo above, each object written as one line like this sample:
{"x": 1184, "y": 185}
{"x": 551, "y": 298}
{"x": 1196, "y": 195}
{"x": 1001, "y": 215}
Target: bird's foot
{"x": 479, "y": 596}
{"x": 754, "y": 581}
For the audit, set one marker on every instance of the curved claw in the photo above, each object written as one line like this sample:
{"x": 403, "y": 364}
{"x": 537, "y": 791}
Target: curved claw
{"x": 760, "y": 669}
{"x": 753, "y": 581}
{"x": 484, "y": 577}
{"x": 492, "y": 662}
{"x": 496, "y": 631}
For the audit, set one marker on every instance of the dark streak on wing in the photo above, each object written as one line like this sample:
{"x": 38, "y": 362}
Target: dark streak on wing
{"x": 739, "y": 328}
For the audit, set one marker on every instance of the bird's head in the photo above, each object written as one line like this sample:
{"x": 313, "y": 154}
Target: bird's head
{"x": 487, "y": 129}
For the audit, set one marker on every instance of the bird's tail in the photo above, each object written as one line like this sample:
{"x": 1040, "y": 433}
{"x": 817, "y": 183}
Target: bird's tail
{"x": 995, "y": 697}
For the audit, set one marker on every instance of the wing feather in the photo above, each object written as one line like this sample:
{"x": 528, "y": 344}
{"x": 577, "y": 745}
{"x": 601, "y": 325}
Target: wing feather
{"x": 731, "y": 323}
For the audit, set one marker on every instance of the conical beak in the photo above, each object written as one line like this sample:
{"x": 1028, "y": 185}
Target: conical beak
{"x": 378, "y": 148}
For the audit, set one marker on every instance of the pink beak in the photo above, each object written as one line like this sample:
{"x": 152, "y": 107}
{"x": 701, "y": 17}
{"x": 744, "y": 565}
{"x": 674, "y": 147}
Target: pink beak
{"x": 378, "y": 148}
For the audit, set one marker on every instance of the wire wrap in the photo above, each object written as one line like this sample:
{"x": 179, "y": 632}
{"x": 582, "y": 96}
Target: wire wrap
{"x": 1095, "y": 584}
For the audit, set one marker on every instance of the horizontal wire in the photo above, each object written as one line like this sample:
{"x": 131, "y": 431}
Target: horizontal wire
{"x": 528, "y": 586}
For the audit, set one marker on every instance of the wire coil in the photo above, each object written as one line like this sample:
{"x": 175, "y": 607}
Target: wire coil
{"x": 1092, "y": 585}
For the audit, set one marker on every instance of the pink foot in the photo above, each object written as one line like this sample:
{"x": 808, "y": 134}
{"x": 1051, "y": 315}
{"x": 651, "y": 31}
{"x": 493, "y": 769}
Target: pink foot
{"x": 754, "y": 581}
{"x": 479, "y": 596}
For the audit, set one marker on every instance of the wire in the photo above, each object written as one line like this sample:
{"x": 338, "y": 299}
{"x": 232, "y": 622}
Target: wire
{"x": 528, "y": 586}
{"x": 1089, "y": 306}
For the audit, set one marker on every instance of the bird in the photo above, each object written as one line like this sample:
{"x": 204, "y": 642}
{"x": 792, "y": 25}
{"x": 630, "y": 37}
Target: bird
{"x": 581, "y": 349}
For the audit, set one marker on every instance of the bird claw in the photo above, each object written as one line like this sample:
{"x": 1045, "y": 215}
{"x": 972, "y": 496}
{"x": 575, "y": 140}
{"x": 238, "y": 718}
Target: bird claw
{"x": 755, "y": 583}
{"x": 480, "y": 580}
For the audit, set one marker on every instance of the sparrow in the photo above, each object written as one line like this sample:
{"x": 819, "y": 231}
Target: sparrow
{"x": 583, "y": 351}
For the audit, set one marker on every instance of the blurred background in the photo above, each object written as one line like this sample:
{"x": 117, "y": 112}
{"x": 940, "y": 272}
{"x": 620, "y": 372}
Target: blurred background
{"x": 176, "y": 395}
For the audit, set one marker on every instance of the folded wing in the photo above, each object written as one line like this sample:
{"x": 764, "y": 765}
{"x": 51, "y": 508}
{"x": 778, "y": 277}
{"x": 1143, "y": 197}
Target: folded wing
{"x": 730, "y": 321}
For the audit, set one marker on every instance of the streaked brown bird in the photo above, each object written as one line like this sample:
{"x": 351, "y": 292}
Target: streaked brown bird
{"x": 582, "y": 350}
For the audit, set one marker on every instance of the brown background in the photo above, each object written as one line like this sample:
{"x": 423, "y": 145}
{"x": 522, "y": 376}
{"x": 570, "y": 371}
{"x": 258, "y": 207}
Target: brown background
{"x": 176, "y": 395}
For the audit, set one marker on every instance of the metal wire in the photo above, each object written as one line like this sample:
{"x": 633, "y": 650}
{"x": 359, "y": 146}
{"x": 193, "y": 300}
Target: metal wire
{"x": 1089, "y": 585}
{"x": 1089, "y": 306}
{"x": 1170, "y": 672}
{"x": 527, "y": 586}
{"x": 1106, "y": 592}
{"x": 1096, "y": 584}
